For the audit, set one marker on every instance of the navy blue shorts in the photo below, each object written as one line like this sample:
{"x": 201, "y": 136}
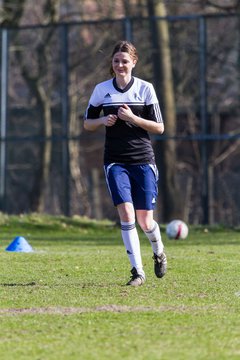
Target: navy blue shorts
{"x": 136, "y": 184}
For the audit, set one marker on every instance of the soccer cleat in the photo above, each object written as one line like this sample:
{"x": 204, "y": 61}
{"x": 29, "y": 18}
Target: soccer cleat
{"x": 160, "y": 264}
{"x": 136, "y": 279}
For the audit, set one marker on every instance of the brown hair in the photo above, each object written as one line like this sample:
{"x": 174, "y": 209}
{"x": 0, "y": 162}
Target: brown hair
{"x": 124, "y": 46}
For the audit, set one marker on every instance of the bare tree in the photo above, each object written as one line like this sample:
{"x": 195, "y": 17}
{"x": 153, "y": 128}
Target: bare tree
{"x": 76, "y": 163}
{"x": 11, "y": 12}
{"x": 222, "y": 6}
{"x": 42, "y": 95}
{"x": 35, "y": 80}
{"x": 166, "y": 152}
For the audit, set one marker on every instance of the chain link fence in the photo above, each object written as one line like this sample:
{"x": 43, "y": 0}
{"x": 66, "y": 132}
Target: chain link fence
{"x": 49, "y": 164}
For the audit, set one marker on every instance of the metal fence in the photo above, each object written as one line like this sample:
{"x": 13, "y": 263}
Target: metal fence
{"x": 48, "y": 163}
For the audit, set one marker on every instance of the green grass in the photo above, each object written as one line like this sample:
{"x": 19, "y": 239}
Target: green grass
{"x": 68, "y": 300}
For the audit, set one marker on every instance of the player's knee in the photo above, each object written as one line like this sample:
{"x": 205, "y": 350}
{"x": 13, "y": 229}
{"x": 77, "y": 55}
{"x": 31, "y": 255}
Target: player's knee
{"x": 145, "y": 225}
{"x": 126, "y": 212}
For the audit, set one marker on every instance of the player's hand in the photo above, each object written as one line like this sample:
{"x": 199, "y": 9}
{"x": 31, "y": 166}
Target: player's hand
{"x": 110, "y": 120}
{"x": 125, "y": 113}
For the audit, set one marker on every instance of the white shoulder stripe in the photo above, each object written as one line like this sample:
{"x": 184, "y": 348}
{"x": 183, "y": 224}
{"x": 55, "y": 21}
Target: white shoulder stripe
{"x": 158, "y": 114}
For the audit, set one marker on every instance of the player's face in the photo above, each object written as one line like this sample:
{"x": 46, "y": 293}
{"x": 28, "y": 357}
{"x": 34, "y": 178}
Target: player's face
{"x": 122, "y": 64}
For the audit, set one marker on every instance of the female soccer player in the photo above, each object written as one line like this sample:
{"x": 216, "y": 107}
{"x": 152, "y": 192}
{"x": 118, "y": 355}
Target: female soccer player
{"x": 130, "y": 112}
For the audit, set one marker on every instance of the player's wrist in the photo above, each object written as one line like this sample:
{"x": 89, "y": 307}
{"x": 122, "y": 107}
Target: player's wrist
{"x": 134, "y": 119}
{"x": 103, "y": 120}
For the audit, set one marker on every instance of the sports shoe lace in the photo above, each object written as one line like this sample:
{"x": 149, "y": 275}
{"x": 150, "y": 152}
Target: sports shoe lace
{"x": 134, "y": 274}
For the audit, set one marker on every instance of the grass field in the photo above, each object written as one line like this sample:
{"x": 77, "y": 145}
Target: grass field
{"x": 68, "y": 300}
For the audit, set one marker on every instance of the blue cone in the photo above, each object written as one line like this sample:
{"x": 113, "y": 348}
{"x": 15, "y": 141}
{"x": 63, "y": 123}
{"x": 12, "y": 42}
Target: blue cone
{"x": 19, "y": 244}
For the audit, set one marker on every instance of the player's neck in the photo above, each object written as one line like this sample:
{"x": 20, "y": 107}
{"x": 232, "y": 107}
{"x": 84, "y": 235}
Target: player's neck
{"x": 122, "y": 82}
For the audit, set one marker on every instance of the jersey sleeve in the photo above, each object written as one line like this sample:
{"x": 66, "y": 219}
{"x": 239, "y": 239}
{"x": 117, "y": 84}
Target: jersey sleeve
{"x": 95, "y": 105}
{"x": 152, "y": 104}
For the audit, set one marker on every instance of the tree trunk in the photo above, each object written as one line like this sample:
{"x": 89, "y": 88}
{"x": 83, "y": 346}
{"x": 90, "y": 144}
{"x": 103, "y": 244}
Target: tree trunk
{"x": 77, "y": 176}
{"x": 166, "y": 151}
{"x": 38, "y": 192}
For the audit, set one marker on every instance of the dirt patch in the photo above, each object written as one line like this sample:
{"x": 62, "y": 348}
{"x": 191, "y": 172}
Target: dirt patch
{"x": 74, "y": 310}
{"x": 58, "y": 310}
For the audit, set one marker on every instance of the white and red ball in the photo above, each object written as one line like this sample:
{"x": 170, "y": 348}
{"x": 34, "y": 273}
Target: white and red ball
{"x": 177, "y": 229}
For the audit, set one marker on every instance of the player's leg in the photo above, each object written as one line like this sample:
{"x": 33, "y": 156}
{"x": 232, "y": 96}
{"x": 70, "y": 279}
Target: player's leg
{"x": 131, "y": 241}
{"x": 145, "y": 193}
{"x": 152, "y": 231}
{"x": 119, "y": 186}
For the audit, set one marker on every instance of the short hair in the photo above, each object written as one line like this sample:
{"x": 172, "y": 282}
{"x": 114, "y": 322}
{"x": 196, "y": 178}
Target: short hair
{"x": 124, "y": 46}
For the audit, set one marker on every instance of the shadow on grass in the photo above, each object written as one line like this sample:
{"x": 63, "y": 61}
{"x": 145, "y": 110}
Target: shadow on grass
{"x": 32, "y": 283}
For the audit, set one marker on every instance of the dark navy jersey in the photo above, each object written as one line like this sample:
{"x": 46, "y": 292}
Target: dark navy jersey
{"x": 126, "y": 143}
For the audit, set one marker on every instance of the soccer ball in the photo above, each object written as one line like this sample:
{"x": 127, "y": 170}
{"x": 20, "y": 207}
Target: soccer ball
{"x": 177, "y": 229}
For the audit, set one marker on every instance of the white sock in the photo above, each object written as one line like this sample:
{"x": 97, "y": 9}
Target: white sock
{"x": 132, "y": 245}
{"x": 154, "y": 236}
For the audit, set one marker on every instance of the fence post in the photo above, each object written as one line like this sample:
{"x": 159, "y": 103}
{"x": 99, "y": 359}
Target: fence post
{"x": 204, "y": 116}
{"x": 65, "y": 120}
{"x": 3, "y": 127}
{"x": 127, "y": 29}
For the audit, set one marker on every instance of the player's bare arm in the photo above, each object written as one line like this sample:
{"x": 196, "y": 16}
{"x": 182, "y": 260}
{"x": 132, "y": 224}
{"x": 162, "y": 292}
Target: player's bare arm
{"x": 93, "y": 124}
{"x": 126, "y": 114}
